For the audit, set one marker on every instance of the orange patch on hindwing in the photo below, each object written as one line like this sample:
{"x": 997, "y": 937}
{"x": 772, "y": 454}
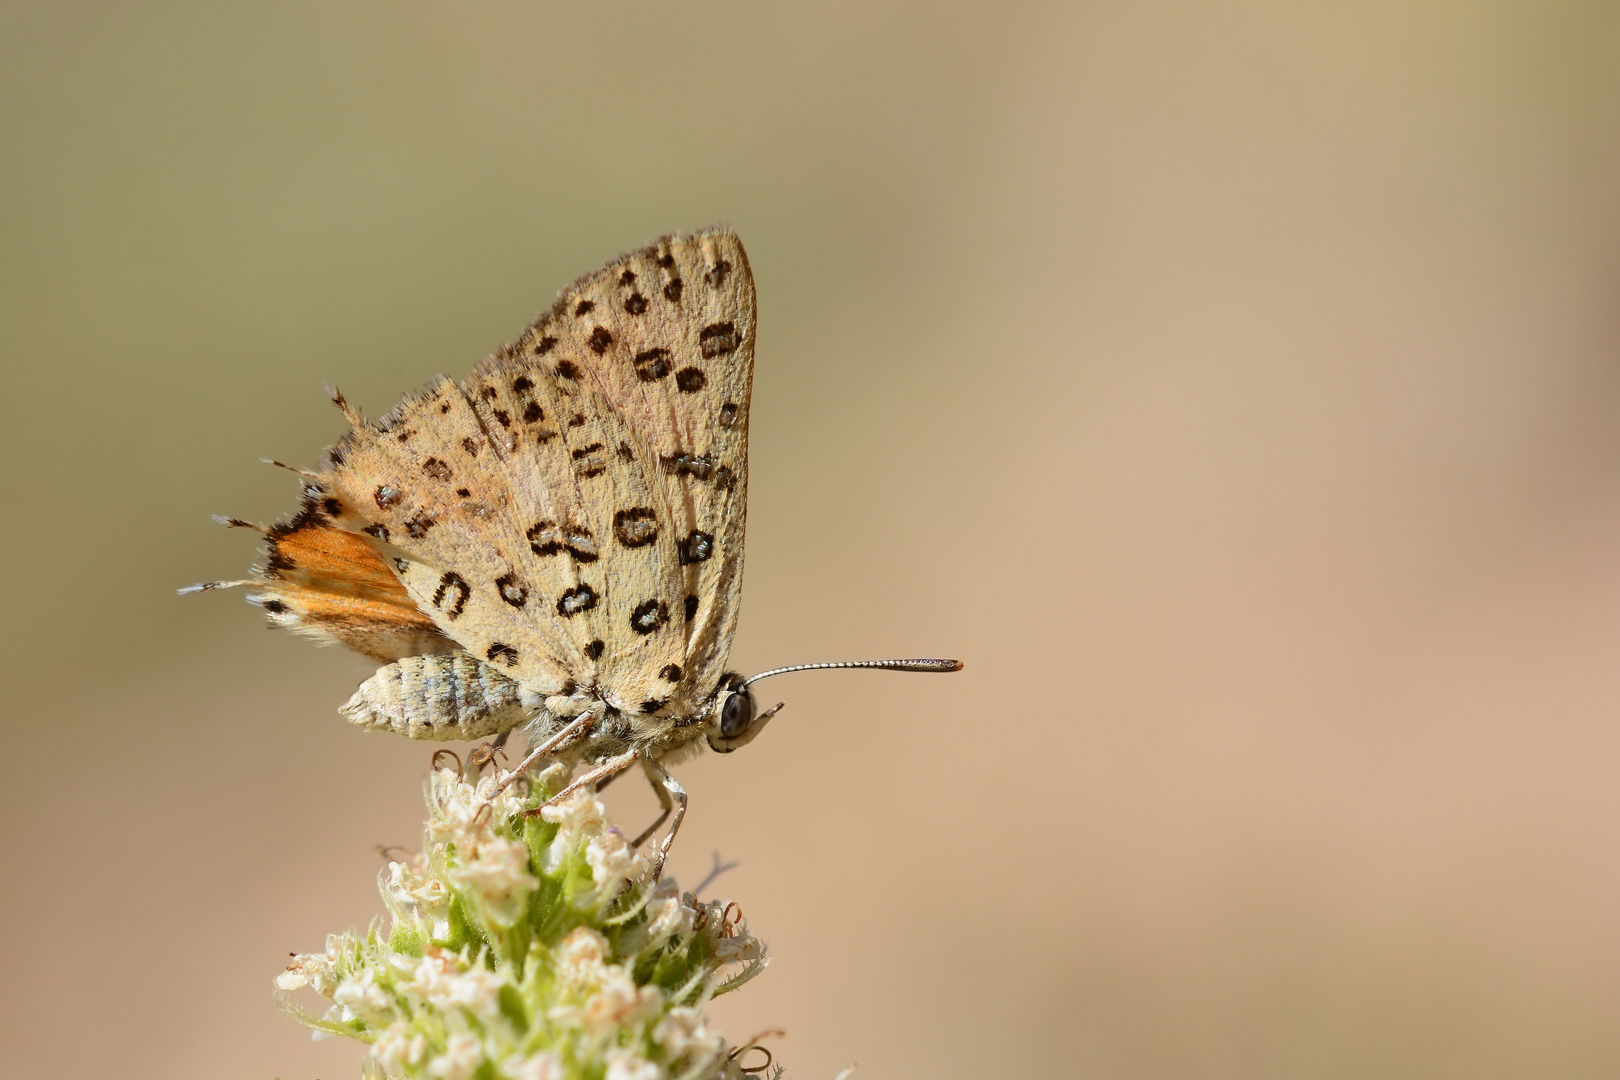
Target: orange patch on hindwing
{"x": 335, "y": 585}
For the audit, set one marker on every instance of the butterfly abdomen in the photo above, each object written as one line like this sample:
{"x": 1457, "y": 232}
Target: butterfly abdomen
{"x": 442, "y": 698}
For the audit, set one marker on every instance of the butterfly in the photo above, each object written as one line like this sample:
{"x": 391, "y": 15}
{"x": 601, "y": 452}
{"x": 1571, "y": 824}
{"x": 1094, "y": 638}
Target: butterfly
{"x": 556, "y": 541}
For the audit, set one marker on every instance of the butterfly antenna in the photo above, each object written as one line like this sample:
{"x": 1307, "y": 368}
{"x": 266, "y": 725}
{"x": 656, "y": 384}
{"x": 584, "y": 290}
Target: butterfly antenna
{"x": 885, "y": 665}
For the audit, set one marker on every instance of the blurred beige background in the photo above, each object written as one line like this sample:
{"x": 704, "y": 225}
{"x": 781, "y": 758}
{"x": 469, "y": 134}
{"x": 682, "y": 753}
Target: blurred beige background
{"x": 1235, "y": 387}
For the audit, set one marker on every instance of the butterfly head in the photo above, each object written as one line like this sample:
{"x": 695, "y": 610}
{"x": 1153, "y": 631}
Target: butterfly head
{"x": 735, "y": 720}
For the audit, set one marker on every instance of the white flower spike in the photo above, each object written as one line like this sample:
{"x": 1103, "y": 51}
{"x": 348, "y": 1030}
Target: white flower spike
{"x": 530, "y": 947}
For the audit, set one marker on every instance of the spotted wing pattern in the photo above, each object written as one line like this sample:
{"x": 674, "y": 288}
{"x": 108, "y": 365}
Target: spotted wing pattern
{"x": 573, "y": 511}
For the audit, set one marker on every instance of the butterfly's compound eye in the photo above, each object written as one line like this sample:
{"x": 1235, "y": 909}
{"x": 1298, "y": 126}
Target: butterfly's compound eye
{"x": 736, "y": 713}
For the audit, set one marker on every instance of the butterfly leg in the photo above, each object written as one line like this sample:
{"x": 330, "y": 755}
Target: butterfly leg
{"x": 672, "y": 797}
{"x": 664, "y": 801}
{"x": 568, "y": 736}
{"x": 610, "y": 767}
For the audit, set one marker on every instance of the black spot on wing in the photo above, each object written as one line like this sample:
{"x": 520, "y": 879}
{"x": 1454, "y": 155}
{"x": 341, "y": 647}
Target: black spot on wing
{"x": 549, "y": 538}
{"x": 512, "y": 590}
{"x": 451, "y": 596}
{"x": 695, "y": 548}
{"x": 581, "y": 543}
{"x": 648, "y": 616}
{"x": 576, "y": 600}
{"x": 589, "y": 461}
{"x": 545, "y": 538}
{"x": 718, "y": 339}
{"x": 635, "y": 527}
{"x": 653, "y": 364}
{"x": 697, "y": 466}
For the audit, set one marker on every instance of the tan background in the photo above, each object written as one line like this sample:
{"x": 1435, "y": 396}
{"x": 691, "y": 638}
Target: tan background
{"x": 1235, "y": 387}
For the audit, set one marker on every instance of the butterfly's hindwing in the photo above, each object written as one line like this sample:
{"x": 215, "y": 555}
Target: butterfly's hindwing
{"x": 332, "y": 585}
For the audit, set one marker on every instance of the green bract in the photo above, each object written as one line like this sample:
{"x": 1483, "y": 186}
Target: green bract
{"x": 530, "y": 948}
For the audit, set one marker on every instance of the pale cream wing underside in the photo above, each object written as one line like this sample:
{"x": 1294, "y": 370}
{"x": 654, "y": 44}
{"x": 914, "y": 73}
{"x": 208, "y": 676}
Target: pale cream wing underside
{"x": 667, "y": 333}
{"x": 573, "y": 511}
{"x": 492, "y": 496}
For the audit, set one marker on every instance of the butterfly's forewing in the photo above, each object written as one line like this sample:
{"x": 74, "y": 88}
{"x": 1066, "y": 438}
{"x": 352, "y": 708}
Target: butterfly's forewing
{"x": 573, "y": 511}
{"x": 667, "y": 332}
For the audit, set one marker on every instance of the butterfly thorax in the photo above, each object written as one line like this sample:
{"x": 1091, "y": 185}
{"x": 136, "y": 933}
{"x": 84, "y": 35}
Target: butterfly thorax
{"x": 620, "y": 730}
